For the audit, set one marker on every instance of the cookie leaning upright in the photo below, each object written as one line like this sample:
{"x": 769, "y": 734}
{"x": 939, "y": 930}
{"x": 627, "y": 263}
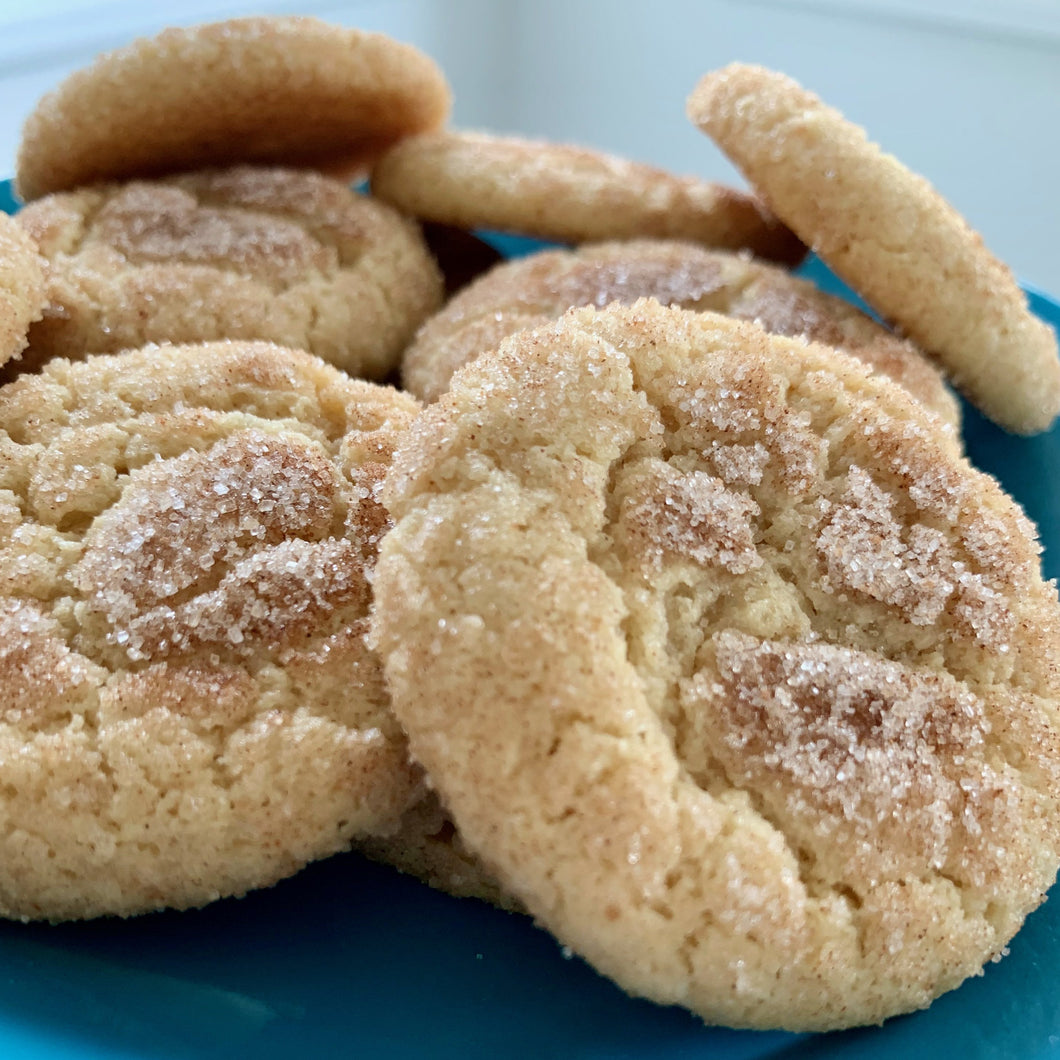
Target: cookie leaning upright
{"x": 890, "y": 235}
{"x": 22, "y": 295}
{"x": 287, "y": 90}
{"x": 285, "y": 255}
{"x": 569, "y": 194}
{"x": 737, "y": 675}
{"x": 187, "y": 537}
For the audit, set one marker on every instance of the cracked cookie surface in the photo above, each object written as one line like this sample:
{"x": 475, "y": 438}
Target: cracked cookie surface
{"x": 187, "y": 536}
{"x": 725, "y": 662}
{"x": 532, "y": 290}
{"x": 280, "y": 90}
{"x": 286, "y": 256}
{"x": 891, "y": 236}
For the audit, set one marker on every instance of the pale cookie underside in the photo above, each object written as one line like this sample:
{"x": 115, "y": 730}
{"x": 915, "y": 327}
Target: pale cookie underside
{"x": 287, "y": 90}
{"x": 542, "y": 286}
{"x": 286, "y": 256}
{"x": 741, "y": 679}
{"x": 891, "y": 236}
{"x": 21, "y": 287}
{"x": 186, "y": 540}
{"x": 569, "y": 194}
{"x": 428, "y": 846}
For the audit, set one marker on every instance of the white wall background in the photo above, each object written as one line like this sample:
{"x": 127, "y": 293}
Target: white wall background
{"x": 967, "y": 93}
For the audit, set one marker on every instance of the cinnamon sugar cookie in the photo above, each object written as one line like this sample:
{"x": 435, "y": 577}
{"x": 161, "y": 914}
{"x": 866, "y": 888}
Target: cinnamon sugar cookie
{"x": 534, "y": 289}
{"x": 891, "y": 236}
{"x": 289, "y": 256}
{"x": 186, "y": 540}
{"x": 743, "y": 681}
{"x": 21, "y": 287}
{"x": 288, "y": 90}
{"x": 569, "y": 194}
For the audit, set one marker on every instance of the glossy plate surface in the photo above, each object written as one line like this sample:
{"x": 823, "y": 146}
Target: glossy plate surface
{"x": 351, "y": 959}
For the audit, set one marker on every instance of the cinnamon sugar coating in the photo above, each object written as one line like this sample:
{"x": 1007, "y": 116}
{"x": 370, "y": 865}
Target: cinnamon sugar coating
{"x": 542, "y": 286}
{"x": 741, "y": 679}
{"x": 569, "y": 194}
{"x": 21, "y": 287}
{"x": 287, "y": 256}
{"x": 280, "y": 90}
{"x": 187, "y": 538}
{"x": 891, "y": 236}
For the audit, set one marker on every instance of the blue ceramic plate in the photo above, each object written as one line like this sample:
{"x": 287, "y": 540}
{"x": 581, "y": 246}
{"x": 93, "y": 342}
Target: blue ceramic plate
{"x": 351, "y": 959}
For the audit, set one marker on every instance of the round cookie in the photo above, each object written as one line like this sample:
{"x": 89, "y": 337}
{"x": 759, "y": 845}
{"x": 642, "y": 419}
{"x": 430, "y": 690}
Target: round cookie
{"x": 287, "y": 256}
{"x": 569, "y": 194}
{"x": 187, "y": 536}
{"x": 891, "y": 236}
{"x": 21, "y": 287}
{"x": 288, "y": 90}
{"x": 743, "y": 681}
{"x": 532, "y": 290}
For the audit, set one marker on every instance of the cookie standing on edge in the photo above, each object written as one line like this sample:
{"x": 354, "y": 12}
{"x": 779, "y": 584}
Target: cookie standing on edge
{"x": 22, "y": 295}
{"x": 532, "y": 290}
{"x": 288, "y": 256}
{"x": 569, "y": 194}
{"x": 190, "y": 710}
{"x": 891, "y": 236}
{"x": 745, "y": 683}
{"x": 283, "y": 90}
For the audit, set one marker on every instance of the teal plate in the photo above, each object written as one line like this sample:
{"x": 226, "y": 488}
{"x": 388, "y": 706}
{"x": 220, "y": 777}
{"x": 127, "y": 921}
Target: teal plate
{"x": 352, "y": 959}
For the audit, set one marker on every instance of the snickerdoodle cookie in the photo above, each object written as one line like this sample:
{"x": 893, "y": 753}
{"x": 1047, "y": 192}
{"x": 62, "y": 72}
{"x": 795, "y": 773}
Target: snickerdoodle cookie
{"x": 744, "y": 682}
{"x": 187, "y": 536}
{"x": 21, "y": 287}
{"x": 569, "y": 194}
{"x": 288, "y": 256}
{"x": 288, "y": 90}
{"x": 534, "y": 289}
{"x": 891, "y": 236}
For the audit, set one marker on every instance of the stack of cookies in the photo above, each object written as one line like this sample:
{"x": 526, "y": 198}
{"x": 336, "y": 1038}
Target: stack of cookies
{"x": 661, "y": 603}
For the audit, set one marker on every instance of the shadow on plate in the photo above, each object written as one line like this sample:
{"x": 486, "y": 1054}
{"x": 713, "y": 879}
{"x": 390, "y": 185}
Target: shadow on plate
{"x": 348, "y": 958}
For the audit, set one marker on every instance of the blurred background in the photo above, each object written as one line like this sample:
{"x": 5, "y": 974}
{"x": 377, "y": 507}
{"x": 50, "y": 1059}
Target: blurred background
{"x": 966, "y": 92}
